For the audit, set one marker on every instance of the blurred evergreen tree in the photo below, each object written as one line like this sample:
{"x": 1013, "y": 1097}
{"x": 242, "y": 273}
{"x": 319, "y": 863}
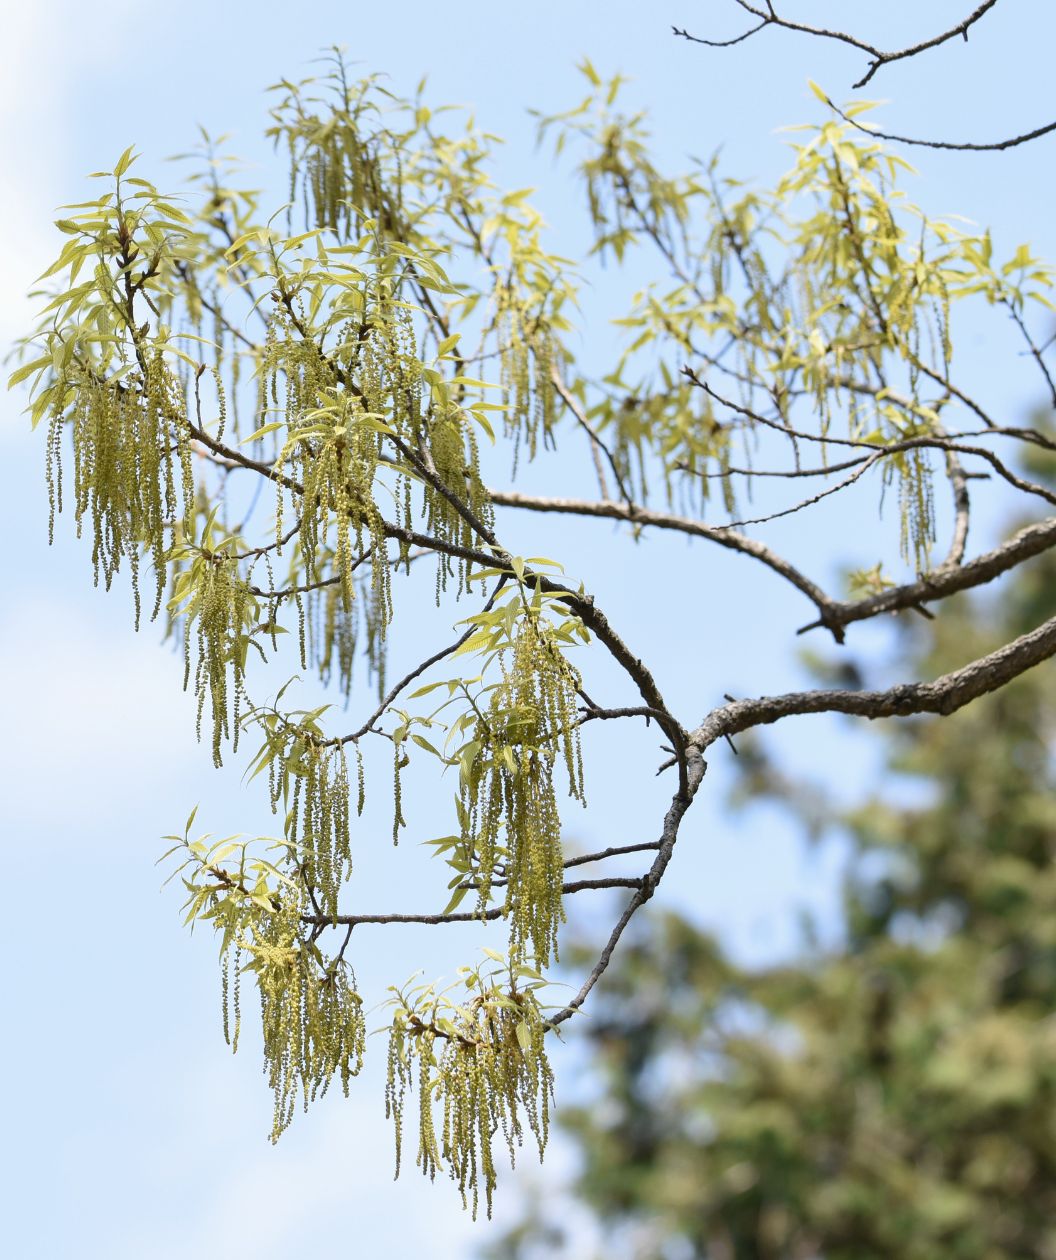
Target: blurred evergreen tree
{"x": 894, "y": 1097}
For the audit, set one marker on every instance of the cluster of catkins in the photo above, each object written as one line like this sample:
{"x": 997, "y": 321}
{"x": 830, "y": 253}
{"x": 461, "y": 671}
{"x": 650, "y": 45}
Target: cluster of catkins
{"x": 131, "y": 467}
{"x": 481, "y": 1064}
{"x": 509, "y": 796}
{"x": 312, "y": 1019}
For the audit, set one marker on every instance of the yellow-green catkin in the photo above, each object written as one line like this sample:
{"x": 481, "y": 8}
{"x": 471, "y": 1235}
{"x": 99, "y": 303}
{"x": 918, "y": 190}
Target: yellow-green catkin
{"x": 342, "y": 179}
{"x": 342, "y": 172}
{"x": 231, "y": 994}
{"x": 218, "y": 618}
{"x": 916, "y": 503}
{"x": 337, "y": 632}
{"x": 312, "y": 1018}
{"x": 337, "y": 501}
{"x": 527, "y": 362}
{"x": 917, "y": 508}
{"x": 308, "y": 778}
{"x": 456, "y": 461}
{"x": 132, "y": 476}
{"x": 332, "y": 452}
{"x": 510, "y": 802}
{"x": 320, "y": 818}
{"x": 483, "y": 1067}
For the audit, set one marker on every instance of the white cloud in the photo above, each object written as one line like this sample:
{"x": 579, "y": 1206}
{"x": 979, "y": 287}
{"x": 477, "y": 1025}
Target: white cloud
{"x": 84, "y": 704}
{"x": 48, "y": 52}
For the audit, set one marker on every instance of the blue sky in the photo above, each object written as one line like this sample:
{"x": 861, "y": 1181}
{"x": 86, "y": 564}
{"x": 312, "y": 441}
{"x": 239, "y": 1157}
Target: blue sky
{"x": 134, "y": 1132}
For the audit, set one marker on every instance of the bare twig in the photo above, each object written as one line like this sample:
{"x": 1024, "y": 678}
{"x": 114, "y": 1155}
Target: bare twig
{"x": 683, "y": 524}
{"x": 614, "y": 851}
{"x": 600, "y": 856}
{"x": 940, "y": 443}
{"x": 669, "y": 835}
{"x": 417, "y": 672}
{"x": 597, "y": 446}
{"x": 1035, "y": 351}
{"x": 878, "y": 57}
{"x": 465, "y": 916}
{"x": 994, "y": 146}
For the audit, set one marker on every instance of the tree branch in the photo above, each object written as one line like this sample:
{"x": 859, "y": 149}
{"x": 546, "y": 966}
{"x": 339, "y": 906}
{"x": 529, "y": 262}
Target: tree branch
{"x": 417, "y": 672}
{"x": 596, "y": 444}
{"x": 683, "y": 524}
{"x": 768, "y": 17}
{"x": 1030, "y": 541}
{"x": 600, "y": 856}
{"x": 669, "y": 835}
{"x": 945, "y": 695}
{"x": 958, "y": 480}
{"x": 467, "y": 916}
{"x": 994, "y": 146}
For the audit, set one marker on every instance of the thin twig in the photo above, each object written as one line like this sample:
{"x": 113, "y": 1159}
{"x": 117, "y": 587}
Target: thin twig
{"x": 596, "y": 443}
{"x": 672, "y": 821}
{"x": 417, "y": 672}
{"x": 768, "y": 17}
{"x": 683, "y": 524}
{"x": 580, "y": 861}
{"x": 466, "y": 916}
{"x": 964, "y": 147}
{"x": 1034, "y": 350}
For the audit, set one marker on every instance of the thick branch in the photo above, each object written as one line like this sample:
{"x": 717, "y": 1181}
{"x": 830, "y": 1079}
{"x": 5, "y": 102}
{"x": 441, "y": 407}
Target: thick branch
{"x": 1030, "y": 541}
{"x": 835, "y": 615}
{"x": 583, "y": 605}
{"x": 945, "y": 695}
